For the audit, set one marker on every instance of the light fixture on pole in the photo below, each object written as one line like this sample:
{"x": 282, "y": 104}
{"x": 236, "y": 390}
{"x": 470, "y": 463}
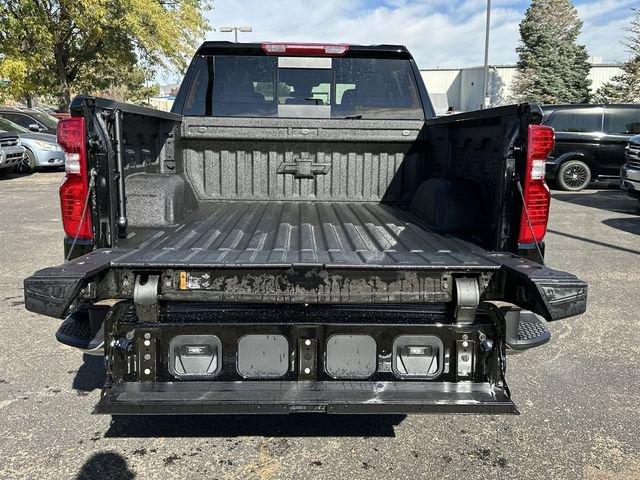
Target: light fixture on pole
{"x": 236, "y": 30}
{"x": 486, "y": 100}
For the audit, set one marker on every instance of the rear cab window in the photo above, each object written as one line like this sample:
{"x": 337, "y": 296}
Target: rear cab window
{"x": 576, "y": 120}
{"x": 303, "y": 87}
{"x": 622, "y": 121}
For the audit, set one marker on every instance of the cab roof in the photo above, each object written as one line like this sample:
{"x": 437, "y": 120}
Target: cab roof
{"x": 352, "y": 51}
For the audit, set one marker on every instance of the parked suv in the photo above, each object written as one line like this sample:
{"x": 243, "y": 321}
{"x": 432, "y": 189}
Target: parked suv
{"x": 630, "y": 172}
{"x": 590, "y": 142}
{"x": 31, "y": 119}
{"x": 11, "y": 153}
{"x": 42, "y": 149}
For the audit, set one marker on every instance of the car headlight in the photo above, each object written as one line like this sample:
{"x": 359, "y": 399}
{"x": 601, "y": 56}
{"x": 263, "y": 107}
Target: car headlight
{"x": 49, "y": 146}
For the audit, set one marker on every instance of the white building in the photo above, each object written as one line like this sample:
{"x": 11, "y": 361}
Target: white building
{"x": 463, "y": 86}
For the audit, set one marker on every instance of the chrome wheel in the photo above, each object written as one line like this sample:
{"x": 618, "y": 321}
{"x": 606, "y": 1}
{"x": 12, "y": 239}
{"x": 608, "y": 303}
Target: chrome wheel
{"x": 574, "y": 175}
{"x": 28, "y": 164}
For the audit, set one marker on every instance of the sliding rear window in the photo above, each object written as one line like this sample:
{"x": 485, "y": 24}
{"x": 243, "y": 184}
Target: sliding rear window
{"x": 301, "y": 87}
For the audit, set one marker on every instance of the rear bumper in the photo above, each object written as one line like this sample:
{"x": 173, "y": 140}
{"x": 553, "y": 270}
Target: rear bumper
{"x": 281, "y": 397}
{"x": 49, "y": 158}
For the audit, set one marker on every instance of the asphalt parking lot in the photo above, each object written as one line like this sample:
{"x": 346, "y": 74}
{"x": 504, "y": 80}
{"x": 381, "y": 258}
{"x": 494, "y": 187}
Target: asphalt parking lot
{"x": 578, "y": 395}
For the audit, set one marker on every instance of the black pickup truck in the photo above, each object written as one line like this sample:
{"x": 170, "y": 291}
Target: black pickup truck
{"x": 301, "y": 234}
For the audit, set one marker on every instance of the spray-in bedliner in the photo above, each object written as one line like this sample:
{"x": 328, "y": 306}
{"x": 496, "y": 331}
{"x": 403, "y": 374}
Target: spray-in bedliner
{"x": 328, "y": 234}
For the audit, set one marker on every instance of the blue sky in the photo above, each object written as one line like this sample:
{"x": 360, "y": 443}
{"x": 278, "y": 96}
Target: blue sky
{"x": 439, "y": 33}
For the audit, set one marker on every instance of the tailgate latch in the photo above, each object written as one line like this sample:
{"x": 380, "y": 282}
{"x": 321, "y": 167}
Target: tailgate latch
{"x": 467, "y": 300}
{"x": 145, "y": 297}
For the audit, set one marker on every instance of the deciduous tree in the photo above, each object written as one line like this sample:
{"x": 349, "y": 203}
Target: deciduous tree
{"x": 80, "y": 46}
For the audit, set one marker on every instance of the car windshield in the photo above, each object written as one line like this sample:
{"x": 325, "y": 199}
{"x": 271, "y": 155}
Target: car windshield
{"x": 8, "y": 126}
{"x": 44, "y": 118}
{"x": 304, "y": 87}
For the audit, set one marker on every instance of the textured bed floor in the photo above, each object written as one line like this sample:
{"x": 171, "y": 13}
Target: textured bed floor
{"x": 364, "y": 234}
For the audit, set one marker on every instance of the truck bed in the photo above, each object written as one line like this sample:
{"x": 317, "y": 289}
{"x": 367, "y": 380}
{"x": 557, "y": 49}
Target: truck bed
{"x": 338, "y": 234}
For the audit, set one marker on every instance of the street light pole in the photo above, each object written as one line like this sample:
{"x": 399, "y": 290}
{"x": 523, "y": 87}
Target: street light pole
{"x": 485, "y": 83}
{"x": 235, "y": 30}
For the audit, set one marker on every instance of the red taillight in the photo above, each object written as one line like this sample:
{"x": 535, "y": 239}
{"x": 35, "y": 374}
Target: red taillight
{"x": 74, "y": 189}
{"x": 305, "y": 49}
{"x": 535, "y": 212}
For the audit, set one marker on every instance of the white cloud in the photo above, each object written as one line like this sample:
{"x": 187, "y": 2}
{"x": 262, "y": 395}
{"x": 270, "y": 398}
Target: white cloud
{"x": 604, "y": 27}
{"x": 439, "y": 33}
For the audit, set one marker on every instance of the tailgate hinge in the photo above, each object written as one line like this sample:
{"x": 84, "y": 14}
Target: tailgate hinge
{"x": 145, "y": 297}
{"x": 467, "y": 300}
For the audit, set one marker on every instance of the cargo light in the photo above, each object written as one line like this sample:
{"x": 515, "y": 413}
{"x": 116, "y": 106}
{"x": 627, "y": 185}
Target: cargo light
{"x": 417, "y": 356}
{"x": 535, "y": 210}
{"x": 196, "y": 350}
{"x": 418, "y": 350}
{"x": 74, "y": 190}
{"x": 195, "y": 356}
{"x": 305, "y": 49}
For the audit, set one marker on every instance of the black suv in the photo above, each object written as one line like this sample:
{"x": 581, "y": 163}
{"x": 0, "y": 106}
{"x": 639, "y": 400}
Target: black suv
{"x": 590, "y": 141}
{"x": 34, "y": 120}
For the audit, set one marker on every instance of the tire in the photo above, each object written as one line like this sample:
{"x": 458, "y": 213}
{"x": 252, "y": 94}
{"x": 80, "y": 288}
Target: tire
{"x": 5, "y": 171}
{"x": 28, "y": 164}
{"x": 573, "y": 176}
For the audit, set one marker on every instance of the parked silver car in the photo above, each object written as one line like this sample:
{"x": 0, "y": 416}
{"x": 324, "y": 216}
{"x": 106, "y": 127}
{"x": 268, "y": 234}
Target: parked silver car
{"x": 11, "y": 153}
{"x": 42, "y": 150}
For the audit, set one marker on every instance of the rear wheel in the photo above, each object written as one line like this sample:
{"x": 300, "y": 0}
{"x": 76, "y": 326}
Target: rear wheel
{"x": 574, "y": 175}
{"x": 28, "y": 164}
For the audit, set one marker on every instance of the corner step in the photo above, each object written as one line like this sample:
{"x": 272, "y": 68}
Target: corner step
{"x": 75, "y": 331}
{"x": 525, "y": 329}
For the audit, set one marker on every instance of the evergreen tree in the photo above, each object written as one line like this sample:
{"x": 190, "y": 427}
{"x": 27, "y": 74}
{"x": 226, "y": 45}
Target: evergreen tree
{"x": 625, "y": 88}
{"x": 553, "y": 67}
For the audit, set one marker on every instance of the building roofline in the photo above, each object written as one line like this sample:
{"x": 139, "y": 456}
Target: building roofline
{"x": 506, "y": 66}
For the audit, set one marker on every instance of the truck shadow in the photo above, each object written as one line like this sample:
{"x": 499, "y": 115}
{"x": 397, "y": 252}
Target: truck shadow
{"x": 90, "y": 375}
{"x": 609, "y": 200}
{"x": 298, "y": 425}
{"x": 105, "y": 465}
{"x": 625, "y": 224}
{"x": 594, "y": 242}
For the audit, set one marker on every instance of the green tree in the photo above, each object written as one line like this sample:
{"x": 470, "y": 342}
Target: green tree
{"x": 133, "y": 88}
{"x": 84, "y": 46}
{"x": 16, "y": 83}
{"x": 625, "y": 88}
{"x": 553, "y": 67}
